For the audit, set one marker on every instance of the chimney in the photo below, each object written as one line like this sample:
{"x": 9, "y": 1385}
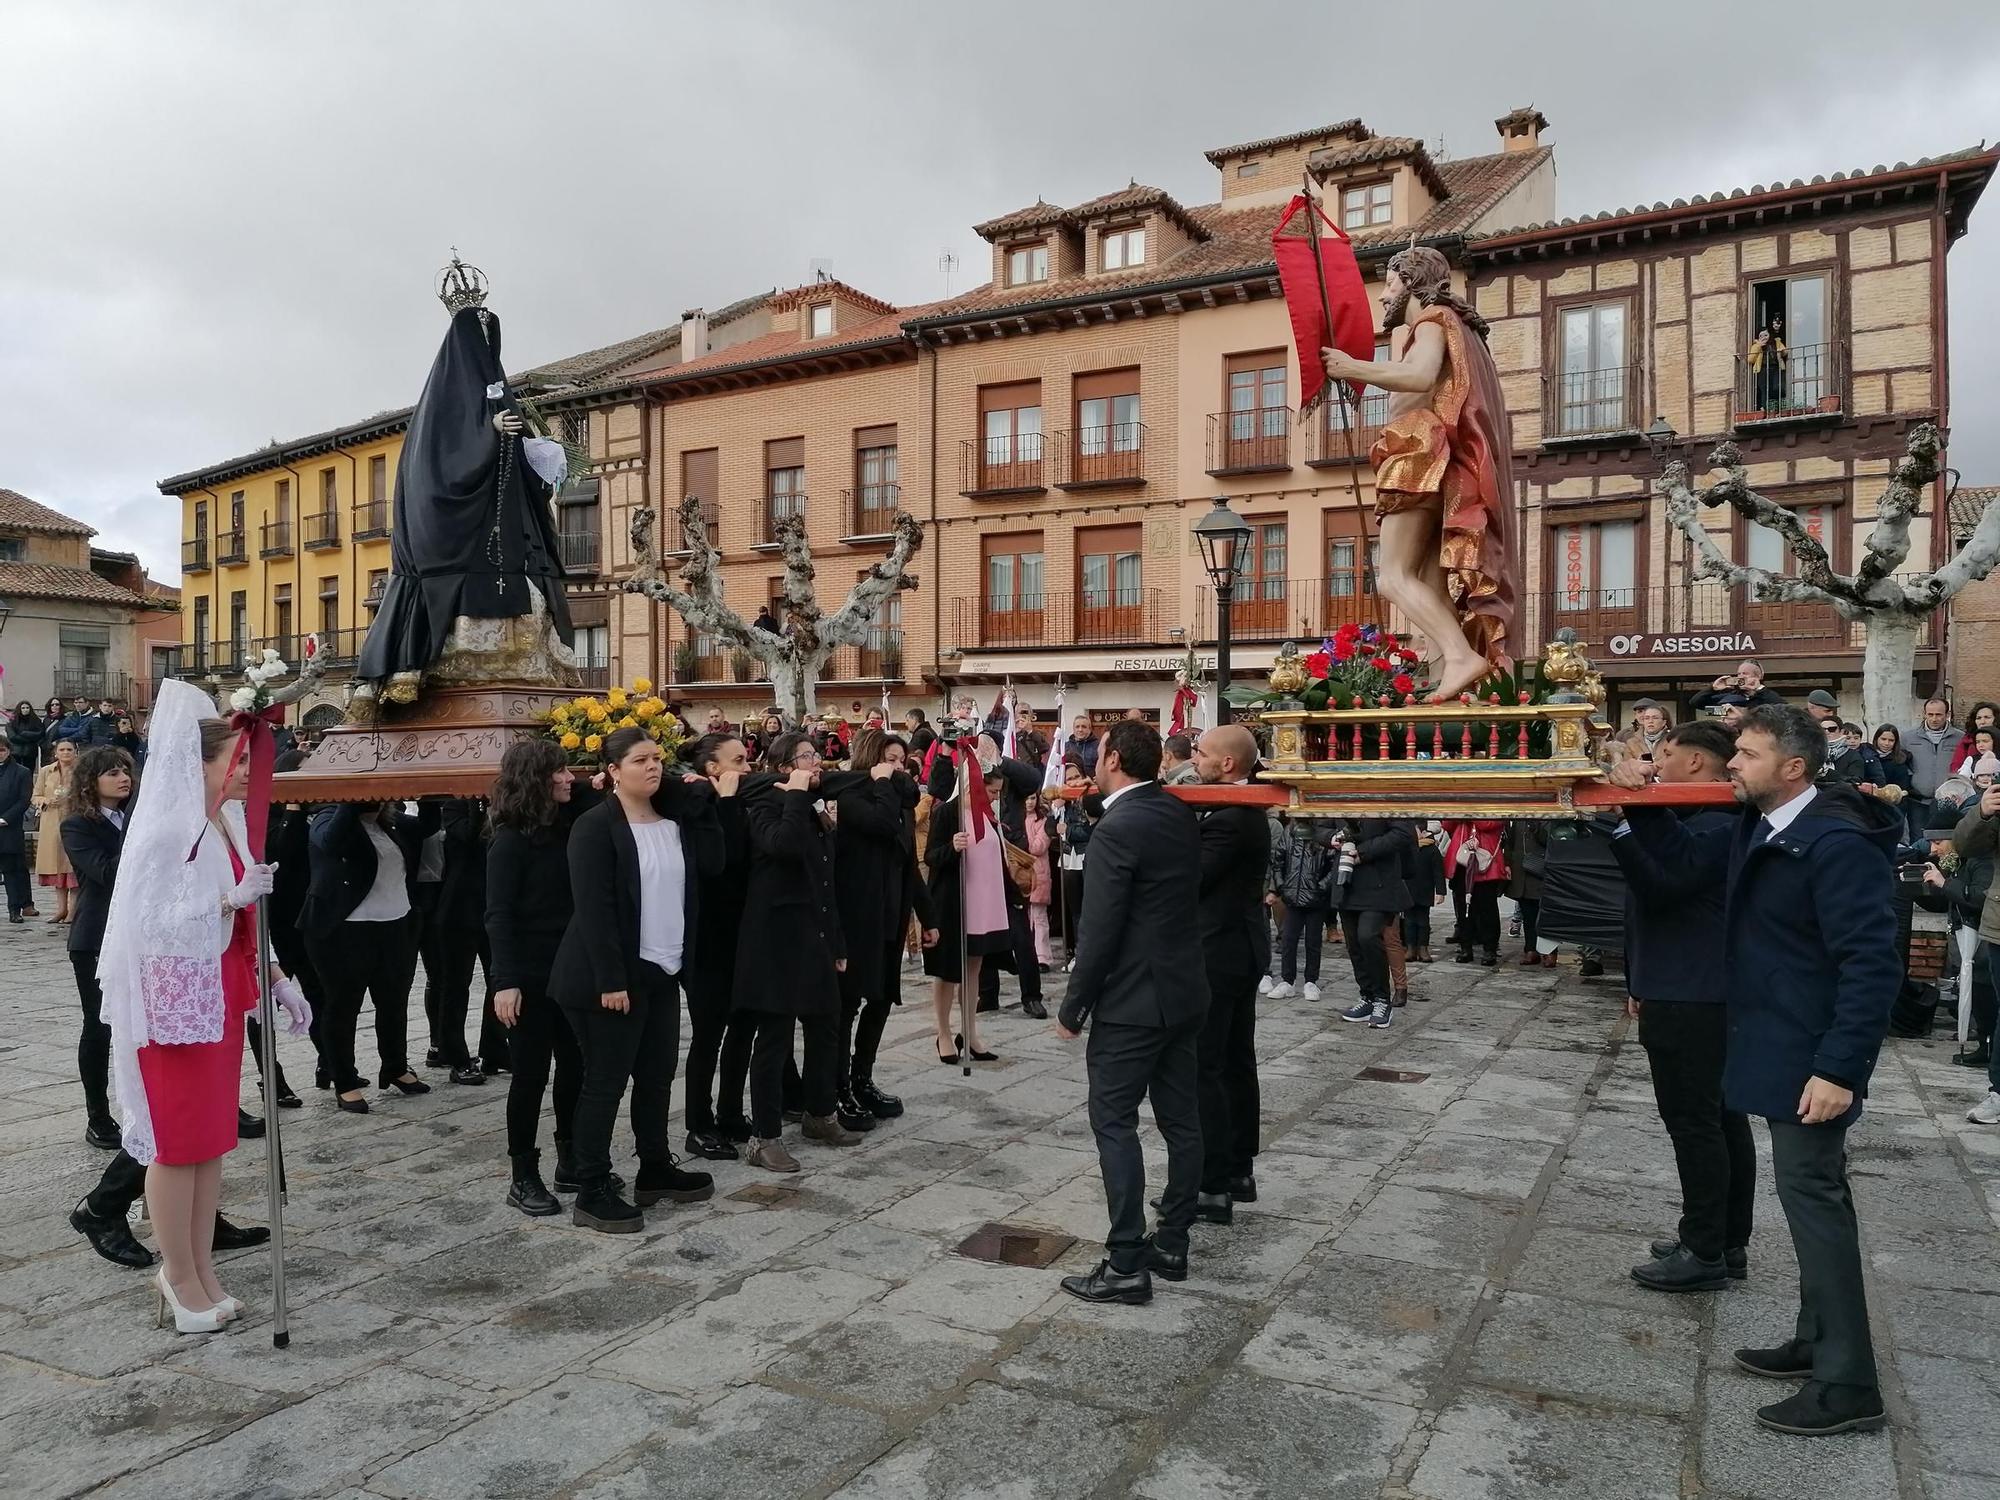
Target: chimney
{"x": 1521, "y": 129}
{"x": 694, "y": 334}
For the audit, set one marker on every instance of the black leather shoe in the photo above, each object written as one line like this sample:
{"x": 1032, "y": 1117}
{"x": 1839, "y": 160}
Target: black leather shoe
{"x": 1817, "y": 1409}
{"x": 527, "y": 1193}
{"x": 103, "y": 1134}
{"x": 853, "y": 1114}
{"x": 1106, "y": 1285}
{"x": 289, "y": 1100}
{"x": 566, "y": 1179}
{"x": 351, "y": 1106}
{"x": 1243, "y": 1189}
{"x": 433, "y": 1058}
{"x": 1165, "y": 1264}
{"x": 408, "y": 1083}
{"x": 110, "y": 1238}
{"x": 1978, "y": 1057}
{"x": 667, "y": 1180}
{"x": 599, "y": 1207}
{"x": 1683, "y": 1271}
{"x": 492, "y": 1065}
{"x": 1035, "y": 1009}
{"x": 710, "y": 1146}
{"x": 1210, "y": 1208}
{"x": 248, "y": 1126}
{"x": 1791, "y": 1360}
{"x": 1736, "y": 1258}
{"x": 230, "y": 1236}
{"x": 468, "y": 1073}
{"x": 1590, "y": 968}
{"x": 1464, "y": 956}
{"x": 882, "y": 1106}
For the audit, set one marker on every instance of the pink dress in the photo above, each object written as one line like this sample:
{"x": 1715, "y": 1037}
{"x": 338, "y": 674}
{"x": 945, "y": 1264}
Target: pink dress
{"x": 192, "y": 1091}
{"x": 986, "y": 895}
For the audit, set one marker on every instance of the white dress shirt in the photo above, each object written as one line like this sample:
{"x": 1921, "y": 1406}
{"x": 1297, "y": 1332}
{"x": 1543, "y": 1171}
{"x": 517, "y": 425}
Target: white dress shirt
{"x": 1781, "y": 818}
{"x": 662, "y": 889}
{"x": 388, "y": 899}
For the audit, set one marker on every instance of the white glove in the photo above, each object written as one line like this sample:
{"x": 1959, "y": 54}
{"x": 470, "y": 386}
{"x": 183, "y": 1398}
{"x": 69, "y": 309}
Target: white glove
{"x": 292, "y": 1001}
{"x": 257, "y": 882}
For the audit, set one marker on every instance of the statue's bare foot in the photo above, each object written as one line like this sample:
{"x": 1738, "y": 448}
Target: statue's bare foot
{"x": 1460, "y": 673}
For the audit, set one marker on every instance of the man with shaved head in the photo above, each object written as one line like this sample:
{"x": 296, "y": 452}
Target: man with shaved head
{"x": 1236, "y": 951}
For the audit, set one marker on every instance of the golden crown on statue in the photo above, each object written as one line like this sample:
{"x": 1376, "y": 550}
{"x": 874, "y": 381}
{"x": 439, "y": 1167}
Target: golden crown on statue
{"x": 460, "y": 286}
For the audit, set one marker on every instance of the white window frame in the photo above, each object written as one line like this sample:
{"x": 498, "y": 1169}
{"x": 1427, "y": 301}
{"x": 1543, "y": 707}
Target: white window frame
{"x": 1368, "y": 205}
{"x": 820, "y": 312}
{"x": 1027, "y": 264}
{"x": 1121, "y": 249}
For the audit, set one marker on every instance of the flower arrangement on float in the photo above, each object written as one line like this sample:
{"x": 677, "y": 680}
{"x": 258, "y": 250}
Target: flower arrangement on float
{"x": 579, "y": 726}
{"x": 1356, "y": 665}
{"x": 263, "y": 670}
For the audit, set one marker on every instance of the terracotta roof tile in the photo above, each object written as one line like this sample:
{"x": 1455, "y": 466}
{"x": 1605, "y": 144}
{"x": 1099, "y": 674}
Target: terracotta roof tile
{"x": 813, "y": 291}
{"x": 1037, "y": 215}
{"x": 1969, "y": 504}
{"x": 1383, "y": 148}
{"x": 19, "y": 513}
{"x": 598, "y": 364}
{"x": 773, "y": 348}
{"x": 1353, "y": 129}
{"x": 49, "y": 581}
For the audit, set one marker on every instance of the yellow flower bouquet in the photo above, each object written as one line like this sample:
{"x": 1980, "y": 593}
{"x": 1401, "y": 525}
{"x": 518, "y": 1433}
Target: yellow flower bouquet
{"x": 580, "y": 726}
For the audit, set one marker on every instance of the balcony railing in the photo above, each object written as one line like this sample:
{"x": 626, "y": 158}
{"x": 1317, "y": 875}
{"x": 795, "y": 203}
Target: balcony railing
{"x": 372, "y": 600}
{"x": 1293, "y": 609}
{"x": 1258, "y": 441}
{"x": 593, "y": 679}
{"x": 775, "y": 508}
{"x": 579, "y": 550}
{"x": 1710, "y": 620}
{"x": 194, "y": 555}
{"x": 1101, "y": 457}
{"x": 878, "y": 659}
{"x": 1002, "y": 466}
{"x": 371, "y": 519}
{"x": 711, "y": 519}
{"x": 277, "y": 539}
{"x": 322, "y": 530}
{"x": 1327, "y": 442}
{"x": 92, "y": 683}
{"x": 698, "y": 659}
{"x": 1809, "y": 382}
{"x": 230, "y": 547}
{"x": 1098, "y": 617}
{"x": 1592, "y": 403}
{"x": 870, "y": 509}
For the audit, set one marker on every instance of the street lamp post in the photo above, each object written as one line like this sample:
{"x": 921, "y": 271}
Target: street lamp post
{"x": 1225, "y": 540}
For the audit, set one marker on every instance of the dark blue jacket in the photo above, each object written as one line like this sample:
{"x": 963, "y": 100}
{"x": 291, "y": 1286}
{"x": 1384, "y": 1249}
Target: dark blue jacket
{"x": 1673, "y": 919}
{"x": 1808, "y": 944}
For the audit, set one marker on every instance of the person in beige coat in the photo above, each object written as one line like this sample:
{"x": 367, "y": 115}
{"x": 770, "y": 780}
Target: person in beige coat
{"x": 51, "y": 800}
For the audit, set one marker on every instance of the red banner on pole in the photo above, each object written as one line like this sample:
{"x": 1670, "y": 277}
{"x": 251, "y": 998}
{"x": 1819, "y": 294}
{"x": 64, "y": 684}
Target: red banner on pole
{"x": 1343, "y": 318}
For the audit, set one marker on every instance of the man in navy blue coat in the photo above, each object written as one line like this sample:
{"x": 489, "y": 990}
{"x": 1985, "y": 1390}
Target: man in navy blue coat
{"x": 1809, "y": 946}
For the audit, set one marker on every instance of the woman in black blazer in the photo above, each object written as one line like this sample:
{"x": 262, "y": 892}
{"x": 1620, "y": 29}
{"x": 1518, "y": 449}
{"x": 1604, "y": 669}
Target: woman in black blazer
{"x": 92, "y": 836}
{"x": 875, "y": 845}
{"x": 790, "y": 953}
{"x": 637, "y": 864}
{"x": 716, "y": 1124}
{"x": 361, "y": 931}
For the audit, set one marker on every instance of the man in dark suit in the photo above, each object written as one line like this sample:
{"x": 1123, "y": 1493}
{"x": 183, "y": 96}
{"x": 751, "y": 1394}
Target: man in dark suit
{"x": 1139, "y": 973}
{"x": 1675, "y": 976}
{"x": 1236, "y": 953}
{"x": 1809, "y": 950}
{"x": 17, "y": 786}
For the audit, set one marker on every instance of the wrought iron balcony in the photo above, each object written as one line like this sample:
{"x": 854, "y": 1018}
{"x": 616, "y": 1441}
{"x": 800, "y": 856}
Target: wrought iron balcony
{"x": 1327, "y": 430}
{"x": 877, "y": 659}
{"x": 1002, "y": 466}
{"x": 1101, "y": 457}
{"x": 194, "y": 555}
{"x": 1808, "y": 384}
{"x": 1293, "y": 609}
{"x": 230, "y": 548}
{"x": 276, "y": 539}
{"x": 1256, "y": 441}
{"x": 579, "y": 550}
{"x": 322, "y": 530}
{"x": 1705, "y": 621}
{"x": 371, "y": 519}
{"x": 869, "y": 510}
{"x": 1092, "y": 617}
{"x": 697, "y": 659}
{"x": 1584, "y": 404}
{"x": 711, "y": 519}
{"x": 775, "y": 508}
{"x": 94, "y": 684}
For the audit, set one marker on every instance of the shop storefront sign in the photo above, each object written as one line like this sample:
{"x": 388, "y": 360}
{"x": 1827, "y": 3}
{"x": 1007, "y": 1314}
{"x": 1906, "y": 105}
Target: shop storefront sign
{"x": 1648, "y": 645}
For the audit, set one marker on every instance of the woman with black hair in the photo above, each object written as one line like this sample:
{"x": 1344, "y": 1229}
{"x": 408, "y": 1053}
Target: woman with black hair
{"x": 93, "y": 835}
{"x": 637, "y": 865}
{"x": 876, "y": 855}
{"x": 716, "y": 1124}
{"x": 534, "y": 804}
{"x": 360, "y": 927}
{"x": 25, "y": 732}
{"x": 790, "y": 954}
{"x": 970, "y": 903}
{"x": 1984, "y": 715}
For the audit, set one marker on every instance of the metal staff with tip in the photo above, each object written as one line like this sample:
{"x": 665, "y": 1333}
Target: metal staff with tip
{"x": 965, "y": 997}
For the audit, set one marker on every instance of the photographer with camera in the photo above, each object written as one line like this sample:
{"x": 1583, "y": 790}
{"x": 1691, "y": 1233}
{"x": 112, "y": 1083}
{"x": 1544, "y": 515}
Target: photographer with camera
{"x": 1978, "y": 835}
{"x": 1743, "y": 688}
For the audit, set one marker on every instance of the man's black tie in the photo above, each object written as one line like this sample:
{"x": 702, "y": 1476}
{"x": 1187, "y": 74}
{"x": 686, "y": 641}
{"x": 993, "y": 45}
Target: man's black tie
{"x": 1763, "y": 833}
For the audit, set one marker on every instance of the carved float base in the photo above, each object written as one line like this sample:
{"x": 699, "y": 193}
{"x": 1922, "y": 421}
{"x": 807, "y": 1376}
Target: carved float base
{"x": 448, "y": 744}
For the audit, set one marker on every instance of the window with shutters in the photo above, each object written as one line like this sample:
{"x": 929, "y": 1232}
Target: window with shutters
{"x": 1110, "y": 579}
{"x": 1595, "y": 564}
{"x": 329, "y": 609}
{"x": 784, "y": 484}
{"x": 1010, "y": 441}
{"x": 701, "y": 471}
{"x": 1262, "y": 586}
{"x": 1256, "y": 428}
{"x": 1107, "y": 444}
{"x": 877, "y": 493}
{"x": 201, "y": 633}
{"x": 1013, "y": 608}
{"x": 281, "y": 621}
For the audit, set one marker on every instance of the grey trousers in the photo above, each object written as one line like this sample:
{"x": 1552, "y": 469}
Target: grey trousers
{"x": 1810, "y": 1164}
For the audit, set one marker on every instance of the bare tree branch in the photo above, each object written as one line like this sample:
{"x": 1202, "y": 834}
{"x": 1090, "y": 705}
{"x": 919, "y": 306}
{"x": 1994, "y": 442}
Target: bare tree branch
{"x": 1975, "y": 559}
{"x": 1888, "y": 544}
{"x": 1683, "y": 509}
{"x": 311, "y": 669}
{"x": 852, "y": 621}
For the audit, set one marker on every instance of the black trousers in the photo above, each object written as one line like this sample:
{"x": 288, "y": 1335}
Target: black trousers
{"x": 1482, "y": 918}
{"x": 711, "y": 1029}
{"x": 641, "y": 1044}
{"x": 291, "y": 955}
{"x": 449, "y": 954}
{"x": 1226, "y": 1090}
{"x": 1685, "y": 1041}
{"x": 93, "y": 1045}
{"x": 771, "y": 1055}
{"x": 1072, "y": 907}
{"x": 14, "y": 872}
{"x": 1810, "y": 1165}
{"x": 1531, "y": 922}
{"x": 1417, "y": 927}
{"x": 864, "y": 1017}
{"x": 121, "y": 1186}
{"x": 1027, "y": 968}
{"x": 541, "y": 1038}
{"x": 1309, "y": 921}
{"x": 376, "y": 961}
{"x": 1366, "y": 951}
{"x": 1127, "y": 1063}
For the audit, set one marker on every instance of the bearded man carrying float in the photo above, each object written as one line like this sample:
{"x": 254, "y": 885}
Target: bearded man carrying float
{"x": 1443, "y": 473}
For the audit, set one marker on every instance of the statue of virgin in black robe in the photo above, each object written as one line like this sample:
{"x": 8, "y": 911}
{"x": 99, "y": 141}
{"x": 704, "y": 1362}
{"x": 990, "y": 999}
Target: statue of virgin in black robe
{"x": 473, "y": 539}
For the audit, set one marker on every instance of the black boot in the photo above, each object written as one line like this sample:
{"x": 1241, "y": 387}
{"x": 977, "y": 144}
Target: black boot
{"x": 882, "y": 1106}
{"x": 1035, "y": 1009}
{"x": 852, "y": 1113}
{"x": 710, "y": 1144}
{"x": 599, "y": 1207}
{"x": 1464, "y": 956}
{"x": 668, "y": 1180}
{"x": 102, "y": 1132}
{"x": 527, "y": 1192}
{"x": 566, "y": 1179}
{"x": 109, "y": 1237}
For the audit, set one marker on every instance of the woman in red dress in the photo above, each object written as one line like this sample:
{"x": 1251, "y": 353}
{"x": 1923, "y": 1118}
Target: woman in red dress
{"x": 179, "y": 974}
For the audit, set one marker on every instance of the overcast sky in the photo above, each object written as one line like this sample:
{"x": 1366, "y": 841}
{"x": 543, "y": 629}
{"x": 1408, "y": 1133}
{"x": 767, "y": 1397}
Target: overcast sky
{"x": 219, "y": 222}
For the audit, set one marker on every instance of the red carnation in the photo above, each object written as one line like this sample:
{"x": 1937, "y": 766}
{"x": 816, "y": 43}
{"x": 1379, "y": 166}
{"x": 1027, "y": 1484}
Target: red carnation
{"x": 1348, "y": 632}
{"x": 1318, "y": 665}
{"x": 1404, "y": 653}
{"x": 1343, "y": 648}
{"x": 1382, "y": 664}
{"x": 1403, "y": 683}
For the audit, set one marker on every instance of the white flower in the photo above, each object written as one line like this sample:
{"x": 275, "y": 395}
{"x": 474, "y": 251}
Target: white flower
{"x": 271, "y": 656}
{"x": 243, "y": 699}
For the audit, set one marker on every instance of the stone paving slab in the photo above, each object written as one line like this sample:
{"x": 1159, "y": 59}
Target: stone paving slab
{"x": 1429, "y": 1301}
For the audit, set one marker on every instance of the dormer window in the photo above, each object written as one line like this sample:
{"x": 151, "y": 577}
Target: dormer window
{"x": 1249, "y": 168}
{"x": 1122, "y": 248}
{"x": 1367, "y": 205}
{"x": 1029, "y": 263}
{"x": 820, "y": 324}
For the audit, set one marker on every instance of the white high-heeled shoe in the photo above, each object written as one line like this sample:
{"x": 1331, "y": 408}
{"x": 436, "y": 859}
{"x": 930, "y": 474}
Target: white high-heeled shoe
{"x": 209, "y": 1320}
{"x": 230, "y": 1307}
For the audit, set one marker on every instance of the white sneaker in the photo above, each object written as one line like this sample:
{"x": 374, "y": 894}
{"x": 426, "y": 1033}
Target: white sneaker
{"x": 1987, "y": 1110}
{"x": 1311, "y": 991}
{"x": 1266, "y": 985}
{"x": 1280, "y": 991}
